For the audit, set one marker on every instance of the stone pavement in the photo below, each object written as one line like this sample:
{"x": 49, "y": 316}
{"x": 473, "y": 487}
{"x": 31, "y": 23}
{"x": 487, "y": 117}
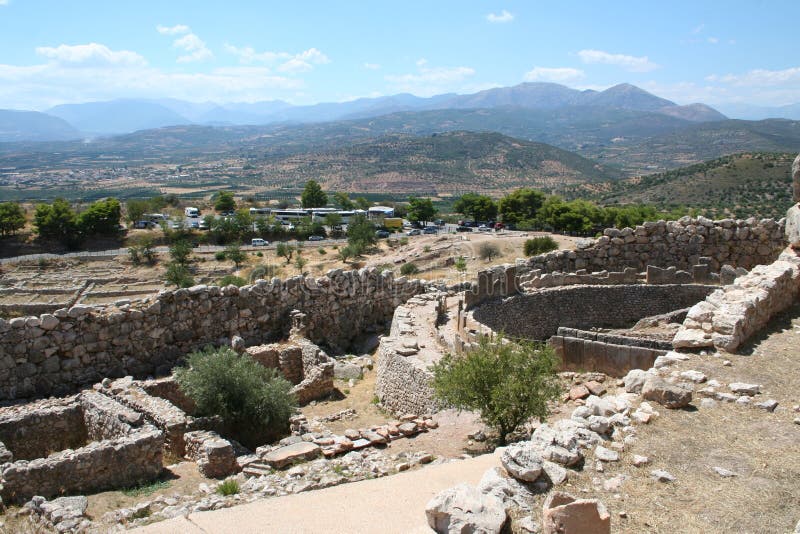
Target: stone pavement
{"x": 383, "y": 505}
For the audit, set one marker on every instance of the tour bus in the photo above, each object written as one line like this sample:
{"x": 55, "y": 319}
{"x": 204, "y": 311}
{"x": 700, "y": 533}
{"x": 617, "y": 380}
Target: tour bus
{"x": 192, "y": 212}
{"x": 260, "y": 211}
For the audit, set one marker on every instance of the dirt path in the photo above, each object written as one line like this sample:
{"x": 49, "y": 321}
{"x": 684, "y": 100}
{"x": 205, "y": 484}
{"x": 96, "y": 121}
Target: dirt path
{"x": 383, "y": 505}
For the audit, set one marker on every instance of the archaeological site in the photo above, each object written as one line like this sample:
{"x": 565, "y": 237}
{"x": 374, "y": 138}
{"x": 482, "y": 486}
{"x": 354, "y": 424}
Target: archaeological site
{"x": 678, "y": 363}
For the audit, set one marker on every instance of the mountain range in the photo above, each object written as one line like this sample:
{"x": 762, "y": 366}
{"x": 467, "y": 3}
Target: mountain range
{"x": 93, "y": 119}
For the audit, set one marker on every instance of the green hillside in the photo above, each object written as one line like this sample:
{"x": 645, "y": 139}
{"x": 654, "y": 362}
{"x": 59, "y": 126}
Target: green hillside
{"x": 744, "y": 185}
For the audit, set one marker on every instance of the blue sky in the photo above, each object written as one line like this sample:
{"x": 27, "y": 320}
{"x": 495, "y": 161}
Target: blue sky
{"x": 56, "y": 51}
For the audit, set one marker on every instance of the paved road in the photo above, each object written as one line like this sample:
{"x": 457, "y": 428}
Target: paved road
{"x": 382, "y": 506}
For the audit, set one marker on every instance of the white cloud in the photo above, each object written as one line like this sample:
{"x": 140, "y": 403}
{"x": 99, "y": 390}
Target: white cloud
{"x": 712, "y": 40}
{"x": 429, "y": 81}
{"x": 3, "y": 2}
{"x": 178, "y": 29}
{"x": 300, "y": 62}
{"x": 48, "y": 84}
{"x": 372, "y": 66}
{"x": 499, "y": 18}
{"x": 195, "y": 48}
{"x": 630, "y": 63}
{"x": 555, "y": 74}
{"x": 90, "y": 54}
{"x": 699, "y": 28}
{"x": 760, "y": 78}
{"x": 189, "y": 42}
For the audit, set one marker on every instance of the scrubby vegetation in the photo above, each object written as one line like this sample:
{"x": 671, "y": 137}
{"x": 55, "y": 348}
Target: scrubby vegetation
{"x": 507, "y": 383}
{"x": 255, "y": 402}
{"x": 539, "y": 245}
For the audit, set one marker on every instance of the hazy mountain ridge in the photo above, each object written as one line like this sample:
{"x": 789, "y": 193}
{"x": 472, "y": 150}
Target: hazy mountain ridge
{"x": 129, "y": 115}
{"x": 34, "y": 126}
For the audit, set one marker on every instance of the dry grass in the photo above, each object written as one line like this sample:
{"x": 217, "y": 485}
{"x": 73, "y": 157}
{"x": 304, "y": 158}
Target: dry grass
{"x": 762, "y": 448}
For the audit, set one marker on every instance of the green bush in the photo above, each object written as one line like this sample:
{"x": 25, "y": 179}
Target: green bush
{"x": 228, "y": 487}
{"x": 408, "y": 269}
{"x": 254, "y": 401}
{"x": 219, "y": 255}
{"x": 539, "y": 245}
{"x": 460, "y": 264}
{"x": 488, "y": 251}
{"x": 178, "y": 275}
{"x": 507, "y": 383}
{"x": 231, "y": 279}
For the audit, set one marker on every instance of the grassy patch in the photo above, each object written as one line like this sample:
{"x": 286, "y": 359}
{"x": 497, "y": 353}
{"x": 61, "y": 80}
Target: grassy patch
{"x": 145, "y": 488}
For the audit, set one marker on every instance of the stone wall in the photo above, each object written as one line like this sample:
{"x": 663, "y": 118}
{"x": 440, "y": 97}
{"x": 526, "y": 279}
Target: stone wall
{"x": 60, "y": 352}
{"x": 56, "y": 459}
{"x": 729, "y": 316}
{"x": 613, "y": 355}
{"x": 403, "y": 382}
{"x": 679, "y": 244}
{"x": 100, "y": 465}
{"x": 35, "y": 430}
{"x": 538, "y": 315}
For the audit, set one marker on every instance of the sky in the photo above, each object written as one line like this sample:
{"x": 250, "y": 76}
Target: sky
{"x": 56, "y": 51}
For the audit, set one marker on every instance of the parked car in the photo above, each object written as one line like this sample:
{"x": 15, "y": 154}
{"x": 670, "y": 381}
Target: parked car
{"x": 439, "y": 222}
{"x": 484, "y": 228}
{"x": 316, "y": 238}
{"x": 463, "y": 229}
{"x": 414, "y": 232}
{"x": 430, "y": 230}
{"x": 194, "y": 224}
{"x": 382, "y": 234}
{"x": 258, "y": 242}
{"x": 142, "y": 225}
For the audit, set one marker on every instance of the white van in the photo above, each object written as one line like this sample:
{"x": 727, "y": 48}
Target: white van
{"x": 192, "y": 212}
{"x": 258, "y": 242}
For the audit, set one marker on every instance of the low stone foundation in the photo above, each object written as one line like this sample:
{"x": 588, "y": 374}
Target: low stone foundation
{"x": 729, "y": 316}
{"x": 125, "y": 451}
{"x": 215, "y": 456}
{"x": 581, "y": 350}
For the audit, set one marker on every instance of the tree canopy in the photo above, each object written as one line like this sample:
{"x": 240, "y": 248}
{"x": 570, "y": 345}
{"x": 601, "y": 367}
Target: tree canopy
{"x": 313, "y": 196}
{"x": 521, "y": 205}
{"x": 476, "y": 207}
{"x": 225, "y": 201}
{"x": 12, "y": 218}
{"x": 420, "y": 210}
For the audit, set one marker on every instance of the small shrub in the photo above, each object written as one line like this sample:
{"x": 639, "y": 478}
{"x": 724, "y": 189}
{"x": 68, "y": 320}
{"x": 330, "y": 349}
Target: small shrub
{"x": 460, "y": 264}
{"x": 408, "y": 269}
{"x": 300, "y": 262}
{"x": 507, "y": 383}
{"x": 322, "y": 251}
{"x": 403, "y": 241}
{"x": 539, "y": 245}
{"x": 228, "y": 487}
{"x": 488, "y": 251}
{"x": 426, "y": 248}
{"x": 346, "y": 391}
{"x": 219, "y": 255}
{"x": 254, "y": 401}
{"x": 178, "y": 275}
{"x": 231, "y": 279}
{"x": 260, "y": 254}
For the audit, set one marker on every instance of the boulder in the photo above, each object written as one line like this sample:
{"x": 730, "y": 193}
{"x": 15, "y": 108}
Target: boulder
{"x": 635, "y": 379}
{"x": 511, "y": 492}
{"x": 464, "y": 509}
{"x": 670, "y": 395}
{"x": 347, "y": 370}
{"x": 606, "y": 455}
{"x": 522, "y": 461}
{"x": 564, "y": 514}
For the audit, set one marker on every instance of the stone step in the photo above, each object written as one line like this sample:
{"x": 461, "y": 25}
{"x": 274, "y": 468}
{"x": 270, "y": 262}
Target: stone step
{"x": 257, "y": 469}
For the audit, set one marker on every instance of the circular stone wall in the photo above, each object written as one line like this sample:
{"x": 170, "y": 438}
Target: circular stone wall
{"x": 538, "y": 315}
